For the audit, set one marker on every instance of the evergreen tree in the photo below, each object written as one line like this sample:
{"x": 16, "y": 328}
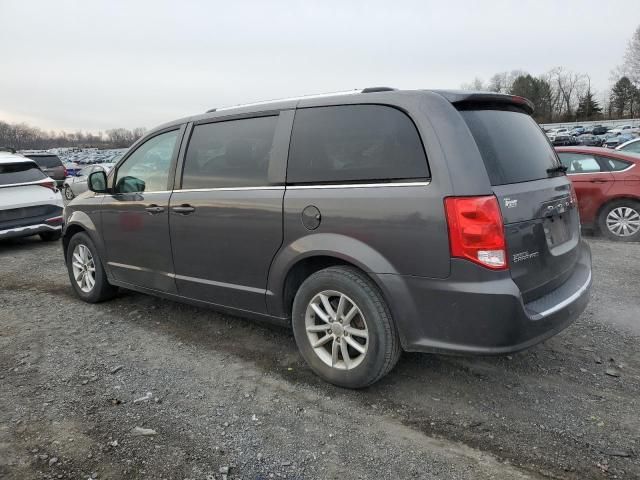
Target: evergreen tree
{"x": 588, "y": 107}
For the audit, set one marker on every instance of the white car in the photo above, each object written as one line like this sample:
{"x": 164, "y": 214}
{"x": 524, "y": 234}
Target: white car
{"x": 30, "y": 202}
{"x": 75, "y": 185}
{"x": 622, "y": 129}
{"x": 632, "y": 146}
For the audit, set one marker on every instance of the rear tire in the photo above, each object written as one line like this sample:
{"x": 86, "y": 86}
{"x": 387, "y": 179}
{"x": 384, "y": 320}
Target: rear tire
{"x": 86, "y": 272}
{"x": 620, "y": 220}
{"x": 50, "y": 236}
{"x": 344, "y": 329}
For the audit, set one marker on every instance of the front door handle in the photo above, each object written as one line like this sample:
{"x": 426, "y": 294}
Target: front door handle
{"x": 598, "y": 180}
{"x": 184, "y": 209}
{"x": 153, "y": 209}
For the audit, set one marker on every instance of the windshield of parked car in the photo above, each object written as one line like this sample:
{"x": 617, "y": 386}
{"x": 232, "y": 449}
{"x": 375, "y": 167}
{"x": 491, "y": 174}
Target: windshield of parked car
{"x": 23, "y": 172}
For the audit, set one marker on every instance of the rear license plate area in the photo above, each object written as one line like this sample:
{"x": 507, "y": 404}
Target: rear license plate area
{"x": 556, "y": 230}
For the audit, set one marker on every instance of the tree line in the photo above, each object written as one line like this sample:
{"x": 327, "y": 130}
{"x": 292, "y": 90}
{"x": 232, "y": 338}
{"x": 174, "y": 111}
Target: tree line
{"x": 21, "y": 136}
{"x": 561, "y": 95}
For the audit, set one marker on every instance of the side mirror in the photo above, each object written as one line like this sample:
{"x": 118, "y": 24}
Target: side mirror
{"x": 97, "y": 182}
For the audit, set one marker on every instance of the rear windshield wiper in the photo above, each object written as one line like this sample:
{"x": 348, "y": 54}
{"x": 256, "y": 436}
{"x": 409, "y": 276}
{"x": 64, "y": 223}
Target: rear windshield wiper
{"x": 558, "y": 169}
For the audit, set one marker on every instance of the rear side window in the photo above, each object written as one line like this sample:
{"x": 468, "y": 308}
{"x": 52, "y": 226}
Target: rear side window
{"x": 24, "y": 172}
{"x": 354, "y": 143}
{"x": 46, "y": 161}
{"x": 579, "y": 163}
{"x": 513, "y": 147}
{"x": 234, "y": 153}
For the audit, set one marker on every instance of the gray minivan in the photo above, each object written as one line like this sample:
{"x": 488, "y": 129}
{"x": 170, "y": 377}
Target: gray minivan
{"x": 371, "y": 222}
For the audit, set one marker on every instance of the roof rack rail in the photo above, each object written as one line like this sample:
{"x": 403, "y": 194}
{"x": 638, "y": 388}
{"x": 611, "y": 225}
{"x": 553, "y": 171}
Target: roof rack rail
{"x": 378, "y": 89}
{"x": 302, "y": 97}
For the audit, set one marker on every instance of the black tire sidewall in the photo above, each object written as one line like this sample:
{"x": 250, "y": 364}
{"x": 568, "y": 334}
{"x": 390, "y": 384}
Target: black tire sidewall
{"x": 602, "y": 220}
{"x": 369, "y": 370}
{"x": 68, "y": 193}
{"x": 98, "y": 291}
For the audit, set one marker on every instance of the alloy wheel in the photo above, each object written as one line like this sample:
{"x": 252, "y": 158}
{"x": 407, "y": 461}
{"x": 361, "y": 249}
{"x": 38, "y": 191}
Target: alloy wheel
{"x": 84, "y": 268}
{"x": 68, "y": 193}
{"x": 337, "y": 330}
{"x": 623, "y": 221}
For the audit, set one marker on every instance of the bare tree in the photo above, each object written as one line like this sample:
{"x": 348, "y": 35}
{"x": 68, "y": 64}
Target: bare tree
{"x": 632, "y": 58}
{"x": 567, "y": 84}
{"x": 477, "y": 84}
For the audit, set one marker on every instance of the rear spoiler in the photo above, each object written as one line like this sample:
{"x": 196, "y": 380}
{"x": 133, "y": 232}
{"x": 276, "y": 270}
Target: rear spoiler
{"x": 461, "y": 98}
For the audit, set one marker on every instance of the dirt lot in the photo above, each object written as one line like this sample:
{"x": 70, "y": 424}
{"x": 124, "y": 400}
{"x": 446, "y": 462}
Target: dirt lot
{"x": 231, "y": 398}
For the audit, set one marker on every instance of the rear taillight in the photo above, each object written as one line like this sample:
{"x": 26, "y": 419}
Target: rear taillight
{"x": 65, "y": 173}
{"x": 574, "y": 196}
{"x": 50, "y": 184}
{"x": 476, "y": 231}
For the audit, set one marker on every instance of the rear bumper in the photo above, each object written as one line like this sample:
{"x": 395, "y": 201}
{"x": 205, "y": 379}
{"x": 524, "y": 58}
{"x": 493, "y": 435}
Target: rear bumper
{"x": 25, "y": 227}
{"x": 29, "y": 230}
{"x": 477, "y": 311}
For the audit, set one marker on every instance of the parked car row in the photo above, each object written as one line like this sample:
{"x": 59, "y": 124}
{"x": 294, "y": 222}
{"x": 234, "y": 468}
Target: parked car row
{"x": 595, "y": 136}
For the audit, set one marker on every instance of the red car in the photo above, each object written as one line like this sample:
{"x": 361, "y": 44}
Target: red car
{"x": 607, "y": 183}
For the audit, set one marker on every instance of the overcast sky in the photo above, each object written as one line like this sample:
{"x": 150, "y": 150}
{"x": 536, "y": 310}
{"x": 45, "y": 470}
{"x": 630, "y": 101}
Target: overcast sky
{"x": 95, "y": 65}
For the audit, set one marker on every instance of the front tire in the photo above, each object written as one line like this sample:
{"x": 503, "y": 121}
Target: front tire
{"x": 86, "y": 272}
{"x": 344, "y": 329}
{"x": 620, "y": 220}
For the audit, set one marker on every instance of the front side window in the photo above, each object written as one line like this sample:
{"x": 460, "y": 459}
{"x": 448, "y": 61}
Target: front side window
{"x": 233, "y": 153}
{"x": 578, "y": 163}
{"x": 354, "y": 143}
{"x": 147, "y": 169}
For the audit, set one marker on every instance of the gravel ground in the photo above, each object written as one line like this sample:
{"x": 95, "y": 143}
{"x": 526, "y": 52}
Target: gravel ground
{"x": 229, "y": 398}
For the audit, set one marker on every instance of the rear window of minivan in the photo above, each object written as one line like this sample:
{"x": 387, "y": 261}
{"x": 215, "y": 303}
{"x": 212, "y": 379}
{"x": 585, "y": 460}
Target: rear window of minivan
{"x": 513, "y": 147}
{"x": 23, "y": 172}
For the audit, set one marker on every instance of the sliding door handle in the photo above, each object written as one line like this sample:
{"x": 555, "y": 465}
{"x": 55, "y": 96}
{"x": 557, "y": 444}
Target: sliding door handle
{"x": 184, "y": 209}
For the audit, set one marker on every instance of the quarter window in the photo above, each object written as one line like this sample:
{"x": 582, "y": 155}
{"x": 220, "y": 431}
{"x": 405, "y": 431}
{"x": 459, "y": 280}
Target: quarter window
{"x": 577, "y": 163}
{"x": 147, "y": 169}
{"x": 354, "y": 143}
{"x": 233, "y": 153}
{"x": 616, "y": 165}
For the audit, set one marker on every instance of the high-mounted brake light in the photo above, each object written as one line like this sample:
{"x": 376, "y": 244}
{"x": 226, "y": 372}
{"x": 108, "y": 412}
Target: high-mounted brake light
{"x": 476, "y": 231}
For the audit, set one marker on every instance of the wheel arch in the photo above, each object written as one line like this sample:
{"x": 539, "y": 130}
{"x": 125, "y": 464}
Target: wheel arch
{"x": 296, "y": 262}
{"x": 611, "y": 200}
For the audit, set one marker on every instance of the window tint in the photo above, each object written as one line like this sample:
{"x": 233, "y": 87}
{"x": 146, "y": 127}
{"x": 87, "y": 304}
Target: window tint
{"x": 234, "y": 153}
{"x": 616, "y": 165}
{"x": 46, "y": 161}
{"x": 513, "y": 147}
{"x": 20, "y": 173}
{"x": 578, "y": 163}
{"x": 354, "y": 143}
{"x": 147, "y": 169}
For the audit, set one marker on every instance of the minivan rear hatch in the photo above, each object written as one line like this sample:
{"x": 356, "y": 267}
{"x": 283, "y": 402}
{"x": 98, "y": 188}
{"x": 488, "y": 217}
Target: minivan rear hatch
{"x": 542, "y": 225}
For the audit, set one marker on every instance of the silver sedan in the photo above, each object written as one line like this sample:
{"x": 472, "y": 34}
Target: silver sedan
{"x": 74, "y": 186}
